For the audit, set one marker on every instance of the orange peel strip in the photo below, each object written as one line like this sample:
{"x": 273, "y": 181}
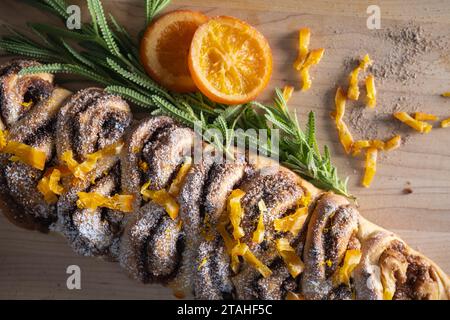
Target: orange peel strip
{"x": 313, "y": 58}
{"x": 371, "y": 91}
{"x": 351, "y": 260}
{"x": 241, "y": 249}
{"x": 353, "y": 89}
{"x": 291, "y": 223}
{"x": 445, "y": 123}
{"x": 422, "y": 116}
{"x": 370, "y": 166}
{"x": 94, "y": 200}
{"x": 236, "y": 212}
{"x": 162, "y": 198}
{"x": 420, "y": 126}
{"x": 294, "y": 264}
{"x": 258, "y": 234}
{"x": 304, "y": 36}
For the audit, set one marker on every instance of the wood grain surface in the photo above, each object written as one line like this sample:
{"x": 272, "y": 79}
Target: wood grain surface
{"x": 33, "y": 265}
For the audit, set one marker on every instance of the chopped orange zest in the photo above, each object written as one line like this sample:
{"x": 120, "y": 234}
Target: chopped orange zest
{"x": 143, "y": 165}
{"x": 344, "y": 272}
{"x": 446, "y": 94}
{"x": 258, "y": 235}
{"x": 27, "y": 104}
{"x": 370, "y": 166}
{"x": 304, "y": 36}
{"x": 236, "y": 212}
{"x": 293, "y": 262}
{"x": 94, "y": 200}
{"x": 420, "y": 126}
{"x": 291, "y": 223}
{"x": 175, "y": 186}
{"x": 49, "y": 186}
{"x": 353, "y": 89}
{"x": 340, "y": 100}
{"x": 162, "y": 198}
{"x": 393, "y": 143}
{"x": 26, "y": 154}
{"x": 421, "y": 116}
{"x": 313, "y": 58}
{"x": 241, "y": 249}
{"x": 287, "y": 93}
{"x": 445, "y": 123}
{"x": 345, "y": 136}
{"x": 80, "y": 170}
{"x": 371, "y": 91}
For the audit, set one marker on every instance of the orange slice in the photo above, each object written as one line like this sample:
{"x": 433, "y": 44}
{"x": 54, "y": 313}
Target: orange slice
{"x": 165, "y": 47}
{"x": 229, "y": 60}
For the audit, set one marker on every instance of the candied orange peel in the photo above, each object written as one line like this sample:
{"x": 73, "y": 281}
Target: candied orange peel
{"x": 293, "y": 262}
{"x": 353, "y": 88}
{"x": 313, "y": 58}
{"x": 370, "y": 166}
{"x": 371, "y": 91}
{"x": 176, "y": 184}
{"x": 292, "y": 223}
{"x": 94, "y": 200}
{"x": 49, "y": 186}
{"x": 242, "y": 250}
{"x": 26, "y": 154}
{"x": 417, "y": 125}
{"x": 258, "y": 234}
{"x": 422, "y": 116}
{"x": 236, "y": 212}
{"x": 445, "y": 123}
{"x": 81, "y": 170}
{"x": 446, "y": 94}
{"x": 287, "y": 93}
{"x": 344, "y": 272}
{"x": 304, "y": 36}
{"x": 345, "y": 136}
{"x": 163, "y": 198}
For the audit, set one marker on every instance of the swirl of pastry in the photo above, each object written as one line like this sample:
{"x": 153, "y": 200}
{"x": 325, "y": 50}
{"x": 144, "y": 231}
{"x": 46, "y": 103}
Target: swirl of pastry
{"x": 155, "y": 161}
{"x": 28, "y": 109}
{"x": 134, "y": 160}
{"x": 331, "y": 232}
{"x": 203, "y": 201}
{"x": 389, "y": 269}
{"x": 280, "y": 191}
{"x": 19, "y": 93}
{"x": 90, "y": 127}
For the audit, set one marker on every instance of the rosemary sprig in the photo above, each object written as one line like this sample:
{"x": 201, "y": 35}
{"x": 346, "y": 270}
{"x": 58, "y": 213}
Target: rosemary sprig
{"x": 109, "y": 56}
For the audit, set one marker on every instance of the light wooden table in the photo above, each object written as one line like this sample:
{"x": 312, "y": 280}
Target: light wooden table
{"x": 33, "y": 265}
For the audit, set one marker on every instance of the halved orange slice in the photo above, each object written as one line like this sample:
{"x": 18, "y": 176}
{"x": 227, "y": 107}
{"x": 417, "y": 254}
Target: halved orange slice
{"x": 165, "y": 47}
{"x": 229, "y": 60}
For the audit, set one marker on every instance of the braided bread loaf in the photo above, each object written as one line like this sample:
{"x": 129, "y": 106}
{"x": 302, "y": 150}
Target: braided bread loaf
{"x": 212, "y": 228}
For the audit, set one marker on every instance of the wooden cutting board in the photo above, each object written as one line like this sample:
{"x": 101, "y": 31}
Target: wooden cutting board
{"x": 33, "y": 265}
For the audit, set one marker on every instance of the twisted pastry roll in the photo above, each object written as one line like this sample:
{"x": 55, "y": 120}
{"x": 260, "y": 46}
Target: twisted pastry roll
{"x": 202, "y": 206}
{"x": 331, "y": 232}
{"x": 281, "y": 191}
{"x": 90, "y": 122}
{"x": 389, "y": 269}
{"x": 209, "y": 251}
{"x": 28, "y": 109}
{"x": 154, "y": 154}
